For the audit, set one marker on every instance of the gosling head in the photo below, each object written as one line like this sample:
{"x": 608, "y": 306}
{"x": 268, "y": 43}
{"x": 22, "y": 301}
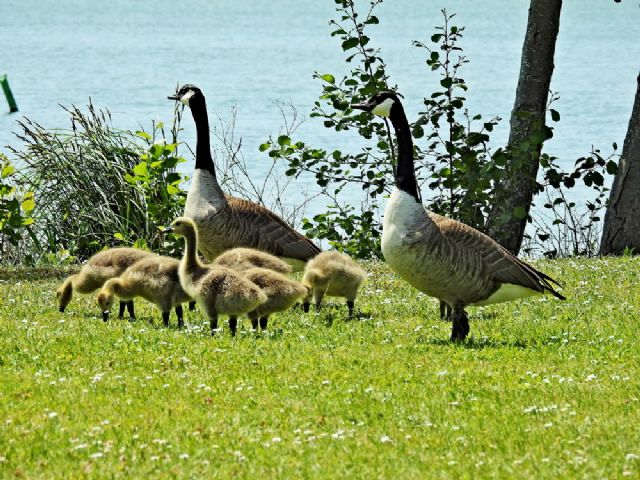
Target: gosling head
{"x": 105, "y": 301}
{"x": 381, "y": 104}
{"x": 64, "y": 294}
{"x": 182, "y": 226}
{"x": 186, "y": 93}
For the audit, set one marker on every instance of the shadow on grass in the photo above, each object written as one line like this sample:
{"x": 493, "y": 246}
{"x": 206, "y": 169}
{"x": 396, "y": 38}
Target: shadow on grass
{"x": 473, "y": 343}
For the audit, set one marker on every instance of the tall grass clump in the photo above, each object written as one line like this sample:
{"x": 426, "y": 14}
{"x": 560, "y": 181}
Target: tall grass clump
{"x": 98, "y": 186}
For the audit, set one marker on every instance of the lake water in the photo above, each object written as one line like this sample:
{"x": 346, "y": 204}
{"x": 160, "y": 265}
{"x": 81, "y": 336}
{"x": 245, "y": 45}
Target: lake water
{"x": 128, "y": 56}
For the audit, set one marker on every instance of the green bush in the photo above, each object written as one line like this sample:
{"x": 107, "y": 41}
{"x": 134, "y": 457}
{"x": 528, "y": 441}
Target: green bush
{"x": 15, "y": 211}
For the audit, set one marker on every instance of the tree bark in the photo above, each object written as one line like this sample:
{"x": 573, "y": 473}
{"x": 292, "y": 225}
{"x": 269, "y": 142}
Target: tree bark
{"x": 508, "y": 219}
{"x": 622, "y": 221}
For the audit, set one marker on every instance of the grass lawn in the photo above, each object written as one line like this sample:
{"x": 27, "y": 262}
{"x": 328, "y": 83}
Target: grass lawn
{"x": 541, "y": 389}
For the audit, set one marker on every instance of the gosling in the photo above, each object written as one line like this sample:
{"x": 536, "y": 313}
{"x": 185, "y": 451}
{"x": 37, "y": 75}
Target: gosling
{"x": 100, "y": 268}
{"x": 333, "y": 274}
{"x": 155, "y": 279}
{"x": 216, "y": 289}
{"x": 241, "y": 259}
{"x": 282, "y": 293}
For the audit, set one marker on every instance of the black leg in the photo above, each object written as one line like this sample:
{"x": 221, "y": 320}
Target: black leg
{"x": 123, "y": 305}
{"x": 318, "y": 305}
{"x": 132, "y": 314}
{"x": 254, "y": 323}
{"x": 192, "y": 306}
{"x": 263, "y": 323}
{"x": 165, "y": 319}
{"x": 350, "y": 304}
{"x": 180, "y": 316}
{"x": 213, "y": 322}
{"x": 460, "y": 327}
{"x": 305, "y": 307}
{"x": 233, "y": 325}
{"x": 105, "y": 315}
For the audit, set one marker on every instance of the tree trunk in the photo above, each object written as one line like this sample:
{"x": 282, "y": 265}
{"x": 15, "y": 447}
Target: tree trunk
{"x": 508, "y": 219}
{"x": 622, "y": 220}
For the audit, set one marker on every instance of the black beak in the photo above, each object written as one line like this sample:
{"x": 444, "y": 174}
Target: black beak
{"x": 366, "y": 106}
{"x": 167, "y": 230}
{"x": 175, "y": 96}
{"x": 105, "y": 315}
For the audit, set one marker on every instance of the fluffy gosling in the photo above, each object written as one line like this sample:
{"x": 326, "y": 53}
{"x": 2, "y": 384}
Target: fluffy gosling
{"x": 241, "y": 259}
{"x": 216, "y": 289}
{"x": 333, "y": 274}
{"x": 282, "y": 293}
{"x": 100, "y": 268}
{"x": 155, "y": 279}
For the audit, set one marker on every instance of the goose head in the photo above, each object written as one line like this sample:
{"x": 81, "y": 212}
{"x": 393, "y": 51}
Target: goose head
{"x": 186, "y": 93}
{"x": 382, "y": 104}
{"x": 182, "y": 226}
{"x": 105, "y": 301}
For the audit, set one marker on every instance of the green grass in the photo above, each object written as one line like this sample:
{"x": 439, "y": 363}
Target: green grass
{"x": 542, "y": 389}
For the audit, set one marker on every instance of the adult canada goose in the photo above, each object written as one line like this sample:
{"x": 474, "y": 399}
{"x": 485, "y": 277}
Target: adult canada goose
{"x": 333, "y": 274}
{"x": 226, "y": 222}
{"x": 444, "y": 258}
{"x": 155, "y": 279}
{"x": 217, "y": 290}
{"x": 100, "y": 268}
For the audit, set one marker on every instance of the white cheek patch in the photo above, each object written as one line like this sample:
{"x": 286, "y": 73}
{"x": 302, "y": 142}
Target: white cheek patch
{"x": 187, "y": 96}
{"x": 384, "y": 108}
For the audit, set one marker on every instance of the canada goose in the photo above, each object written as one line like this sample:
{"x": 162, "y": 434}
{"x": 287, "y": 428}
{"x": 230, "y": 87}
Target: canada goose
{"x": 333, "y": 274}
{"x": 241, "y": 259}
{"x": 281, "y": 293}
{"x": 444, "y": 258}
{"x": 155, "y": 279}
{"x": 100, "y": 268}
{"x": 218, "y": 290}
{"x": 226, "y": 222}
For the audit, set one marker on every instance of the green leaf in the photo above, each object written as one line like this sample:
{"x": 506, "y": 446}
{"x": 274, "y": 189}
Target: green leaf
{"x": 28, "y": 205}
{"x": 555, "y": 115}
{"x": 119, "y": 236}
{"x": 284, "y": 140}
{"x": 8, "y": 170}
{"x": 349, "y": 43}
{"x": 327, "y": 77}
{"x": 144, "y": 135}
{"x": 141, "y": 169}
{"x": 264, "y": 146}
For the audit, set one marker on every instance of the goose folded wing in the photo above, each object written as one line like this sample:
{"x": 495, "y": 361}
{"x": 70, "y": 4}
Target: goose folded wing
{"x": 499, "y": 263}
{"x": 270, "y": 233}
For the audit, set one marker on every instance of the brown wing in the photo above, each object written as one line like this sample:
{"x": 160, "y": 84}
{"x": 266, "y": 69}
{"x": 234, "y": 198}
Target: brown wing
{"x": 499, "y": 263}
{"x": 264, "y": 230}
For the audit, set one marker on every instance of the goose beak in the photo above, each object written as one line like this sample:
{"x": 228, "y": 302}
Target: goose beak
{"x": 105, "y": 315}
{"x": 175, "y": 97}
{"x": 362, "y": 106}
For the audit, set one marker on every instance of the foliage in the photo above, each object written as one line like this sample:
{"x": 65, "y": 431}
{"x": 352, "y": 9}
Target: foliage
{"x": 15, "y": 211}
{"x": 542, "y": 389}
{"x": 571, "y": 230}
{"x": 453, "y": 159}
{"x": 98, "y": 186}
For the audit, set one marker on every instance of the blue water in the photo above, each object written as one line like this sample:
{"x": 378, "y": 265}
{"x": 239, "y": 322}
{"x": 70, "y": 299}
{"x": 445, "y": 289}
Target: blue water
{"x": 128, "y": 56}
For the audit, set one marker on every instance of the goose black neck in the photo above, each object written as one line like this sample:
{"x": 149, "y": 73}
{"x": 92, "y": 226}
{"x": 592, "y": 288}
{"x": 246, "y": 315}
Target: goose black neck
{"x": 204, "y": 161}
{"x": 405, "y": 173}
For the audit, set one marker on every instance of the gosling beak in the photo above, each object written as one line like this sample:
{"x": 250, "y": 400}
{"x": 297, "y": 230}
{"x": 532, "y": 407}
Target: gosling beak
{"x": 61, "y": 309}
{"x": 305, "y": 307}
{"x": 167, "y": 230}
{"x": 105, "y": 315}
